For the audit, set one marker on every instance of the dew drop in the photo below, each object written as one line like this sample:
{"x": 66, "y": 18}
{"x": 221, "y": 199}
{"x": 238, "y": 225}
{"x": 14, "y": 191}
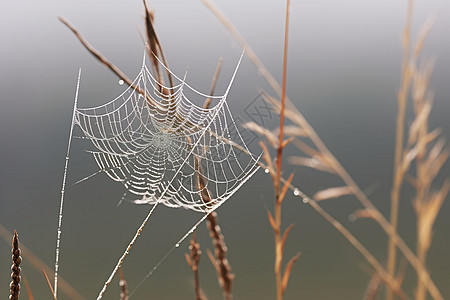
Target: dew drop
{"x": 296, "y": 192}
{"x": 305, "y": 200}
{"x": 121, "y": 82}
{"x": 177, "y": 245}
{"x": 266, "y": 171}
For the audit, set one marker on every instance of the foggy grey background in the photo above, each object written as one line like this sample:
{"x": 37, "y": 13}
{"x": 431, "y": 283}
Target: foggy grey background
{"x": 343, "y": 74}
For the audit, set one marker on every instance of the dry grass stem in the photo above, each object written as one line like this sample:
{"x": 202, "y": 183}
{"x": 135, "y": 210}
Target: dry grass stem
{"x": 123, "y": 286}
{"x": 269, "y": 135}
{"x": 280, "y": 192}
{"x": 213, "y": 84}
{"x": 14, "y": 286}
{"x": 398, "y": 170}
{"x": 225, "y": 276}
{"x": 106, "y": 62}
{"x": 28, "y": 289}
{"x": 49, "y": 284}
{"x": 193, "y": 260}
{"x": 291, "y": 131}
{"x": 390, "y": 281}
{"x": 309, "y": 162}
{"x": 287, "y": 271}
{"x": 155, "y": 49}
{"x": 373, "y": 288}
{"x": 220, "y": 262}
{"x": 331, "y": 193}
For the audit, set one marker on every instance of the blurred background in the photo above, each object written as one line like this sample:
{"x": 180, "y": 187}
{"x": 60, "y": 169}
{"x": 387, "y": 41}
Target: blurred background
{"x": 343, "y": 74}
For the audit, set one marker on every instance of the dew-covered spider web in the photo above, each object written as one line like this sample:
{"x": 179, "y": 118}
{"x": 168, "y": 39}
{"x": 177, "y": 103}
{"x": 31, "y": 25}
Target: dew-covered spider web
{"x": 164, "y": 148}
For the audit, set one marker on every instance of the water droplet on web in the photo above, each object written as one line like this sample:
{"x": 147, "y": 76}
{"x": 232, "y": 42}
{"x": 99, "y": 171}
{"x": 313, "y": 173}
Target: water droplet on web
{"x": 177, "y": 245}
{"x": 305, "y": 200}
{"x": 121, "y": 82}
{"x": 296, "y": 192}
{"x": 266, "y": 171}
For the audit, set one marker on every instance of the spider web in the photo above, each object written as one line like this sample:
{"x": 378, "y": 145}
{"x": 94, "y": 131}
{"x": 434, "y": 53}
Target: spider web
{"x": 166, "y": 149}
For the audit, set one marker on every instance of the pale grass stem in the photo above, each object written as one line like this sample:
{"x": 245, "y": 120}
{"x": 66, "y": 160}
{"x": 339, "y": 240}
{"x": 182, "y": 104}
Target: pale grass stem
{"x": 193, "y": 260}
{"x": 398, "y": 169}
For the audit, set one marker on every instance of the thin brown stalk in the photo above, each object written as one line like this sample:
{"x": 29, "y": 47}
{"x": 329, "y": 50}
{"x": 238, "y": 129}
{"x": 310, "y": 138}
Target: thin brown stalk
{"x": 95, "y": 52}
{"x": 106, "y": 62}
{"x": 373, "y": 288}
{"x": 123, "y": 286}
{"x": 287, "y": 271}
{"x": 389, "y": 280}
{"x": 15, "y": 269}
{"x": 278, "y": 199}
{"x": 398, "y": 170}
{"x": 222, "y": 265}
{"x": 213, "y": 85}
{"x": 155, "y": 49}
{"x": 49, "y": 284}
{"x": 193, "y": 260}
{"x": 220, "y": 262}
{"x": 224, "y": 274}
{"x": 27, "y": 287}
{"x": 39, "y": 264}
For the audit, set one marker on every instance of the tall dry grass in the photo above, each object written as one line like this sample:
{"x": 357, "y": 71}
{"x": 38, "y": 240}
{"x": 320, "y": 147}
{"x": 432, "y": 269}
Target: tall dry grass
{"x": 193, "y": 260}
{"x": 428, "y": 163}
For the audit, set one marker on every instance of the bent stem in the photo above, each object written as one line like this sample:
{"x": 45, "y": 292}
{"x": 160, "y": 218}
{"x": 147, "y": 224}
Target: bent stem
{"x": 398, "y": 169}
{"x": 278, "y": 196}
